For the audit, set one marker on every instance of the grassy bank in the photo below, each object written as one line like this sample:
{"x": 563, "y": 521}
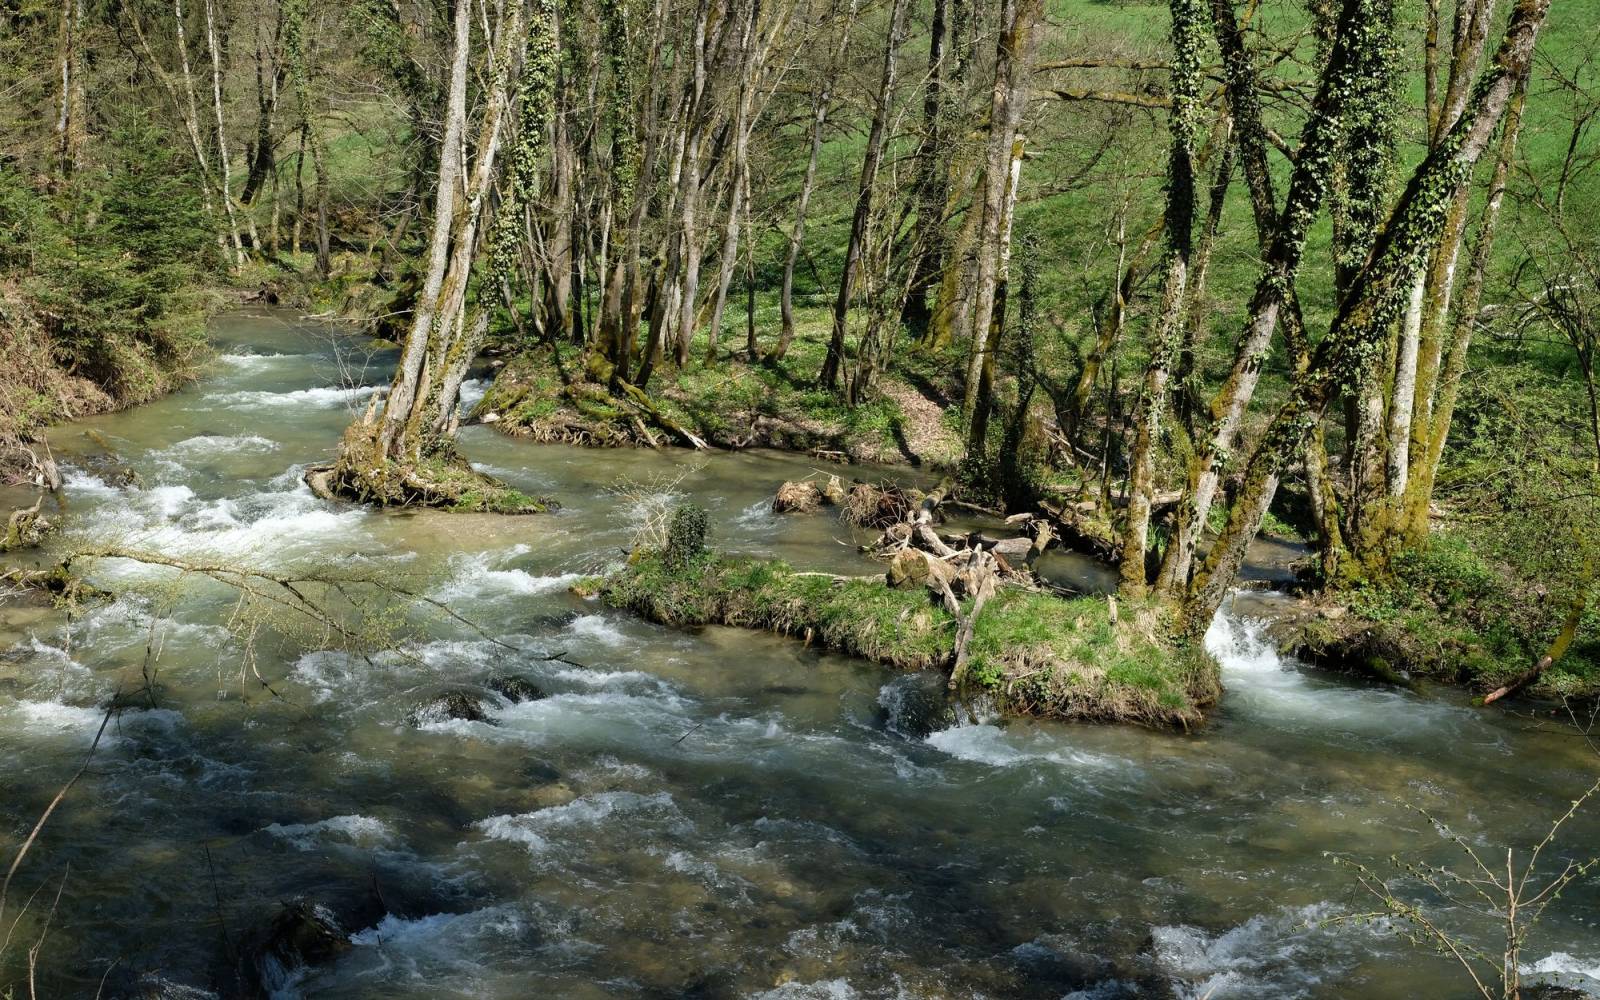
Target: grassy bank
{"x": 1452, "y": 615}
{"x": 731, "y": 403}
{"x": 1035, "y": 654}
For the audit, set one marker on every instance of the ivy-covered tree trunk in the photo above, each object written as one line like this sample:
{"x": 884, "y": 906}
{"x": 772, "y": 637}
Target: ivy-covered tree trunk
{"x": 1187, "y": 42}
{"x": 1413, "y": 381}
{"x": 1413, "y": 527}
{"x": 1342, "y": 358}
{"x": 404, "y": 454}
{"x": 1355, "y": 57}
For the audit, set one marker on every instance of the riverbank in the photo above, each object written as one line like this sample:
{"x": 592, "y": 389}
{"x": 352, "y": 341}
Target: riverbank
{"x": 1448, "y": 615}
{"x": 685, "y": 809}
{"x": 47, "y": 380}
{"x": 543, "y": 394}
{"x": 1033, "y": 654}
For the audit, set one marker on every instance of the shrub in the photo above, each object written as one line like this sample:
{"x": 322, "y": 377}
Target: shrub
{"x": 686, "y": 535}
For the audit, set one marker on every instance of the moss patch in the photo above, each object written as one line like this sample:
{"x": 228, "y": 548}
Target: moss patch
{"x": 1450, "y": 615}
{"x": 730, "y": 404}
{"x": 1035, "y": 654}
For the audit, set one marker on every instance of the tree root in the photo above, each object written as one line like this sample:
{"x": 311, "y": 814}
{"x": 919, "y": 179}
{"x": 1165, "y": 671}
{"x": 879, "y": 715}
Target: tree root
{"x": 443, "y": 481}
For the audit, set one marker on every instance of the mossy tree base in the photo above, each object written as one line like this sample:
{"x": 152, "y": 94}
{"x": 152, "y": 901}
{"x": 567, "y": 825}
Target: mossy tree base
{"x": 443, "y": 481}
{"x": 548, "y": 396}
{"x": 1034, "y": 654}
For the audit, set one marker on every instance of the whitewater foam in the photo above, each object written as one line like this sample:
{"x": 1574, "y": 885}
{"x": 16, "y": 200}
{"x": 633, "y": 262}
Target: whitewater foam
{"x": 1563, "y": 969}
{"x": 363, "y": 831}
{"x": 1260, "y": 958}
{"x": 987, "y": 744}
{"x": 477, "y": 576}
{"x": 535, "y": 830}
{"x": 598, "y": 628}
{"x": 204, "y": 446}
{"x": 325, "y": 397}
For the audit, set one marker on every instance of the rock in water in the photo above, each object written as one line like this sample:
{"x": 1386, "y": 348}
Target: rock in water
{"x": 153, "y": 987}
{"x": 302, "y": 933}
{"x": 916, "y": 706}
{"x": 515, "y": 689}
{"x": 466, "y": 706}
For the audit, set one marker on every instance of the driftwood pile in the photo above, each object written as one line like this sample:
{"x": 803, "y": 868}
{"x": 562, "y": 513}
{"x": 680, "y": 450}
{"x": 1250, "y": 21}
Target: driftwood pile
{"x": 866, "y": 505}
{"x": 806, "y": 495}
{"x": 958, "y": 567}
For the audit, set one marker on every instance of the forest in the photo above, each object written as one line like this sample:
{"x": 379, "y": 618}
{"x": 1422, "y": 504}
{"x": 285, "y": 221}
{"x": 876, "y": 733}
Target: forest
{"x": 800, "y": 498}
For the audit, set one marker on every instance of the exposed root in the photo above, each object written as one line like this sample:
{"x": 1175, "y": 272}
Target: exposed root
{"x": 25, "y": 528}
{"x": 443, "y": 481}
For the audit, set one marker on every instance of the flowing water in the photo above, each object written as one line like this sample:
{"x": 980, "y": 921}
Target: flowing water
{"x": 712, "y": 813}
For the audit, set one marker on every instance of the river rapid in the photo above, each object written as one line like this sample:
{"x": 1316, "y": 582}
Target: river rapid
{"x": 713, "y": 813}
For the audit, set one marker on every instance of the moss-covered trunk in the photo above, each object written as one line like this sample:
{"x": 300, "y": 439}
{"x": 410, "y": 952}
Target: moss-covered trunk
{"x": 1344, "y": 356}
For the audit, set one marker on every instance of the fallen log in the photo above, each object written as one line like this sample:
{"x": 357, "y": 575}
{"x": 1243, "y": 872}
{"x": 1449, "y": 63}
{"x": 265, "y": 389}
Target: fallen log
{"x": 1553, "y": 655}
{"x": 605, "y": 373}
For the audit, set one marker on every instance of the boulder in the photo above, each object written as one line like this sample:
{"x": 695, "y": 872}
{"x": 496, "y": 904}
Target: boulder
{"x": 917, "y": 705}
{"x": 466, "y": 706}
{"x": 515, "y": 689}
{"x": 1016, "y": 551}
{"x": 302, "y": 933}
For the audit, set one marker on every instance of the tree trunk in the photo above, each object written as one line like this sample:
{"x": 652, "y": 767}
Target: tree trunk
{"x": 1110, "y": 331}
{"x": 1187, "y": 43}
{"x": 1364, "y": 317}
{"x": 408, "y": 374}
{"x": 1003, "y": 163}
{"x": 927, "y": 236}
{"x": 820, "y": 102}
{"x": 983, "y": 402}
{"x": 72, "y": 118}
{"x": 738, "y": 178}
{"x": 833, "y": 364}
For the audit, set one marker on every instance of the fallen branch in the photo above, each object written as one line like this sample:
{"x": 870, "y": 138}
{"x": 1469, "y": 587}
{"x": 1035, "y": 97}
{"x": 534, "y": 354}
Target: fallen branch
{"x": 1558, "y": 649}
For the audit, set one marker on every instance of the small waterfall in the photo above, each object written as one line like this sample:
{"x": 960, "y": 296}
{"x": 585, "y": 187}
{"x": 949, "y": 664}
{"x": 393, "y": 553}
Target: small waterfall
{"x": 1241, "y": 647}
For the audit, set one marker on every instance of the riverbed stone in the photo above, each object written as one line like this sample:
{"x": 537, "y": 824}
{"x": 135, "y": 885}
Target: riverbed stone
{"x": 515, "y": 689}
{"x": 466, "y": 706}
{"x": 302, "y": 933}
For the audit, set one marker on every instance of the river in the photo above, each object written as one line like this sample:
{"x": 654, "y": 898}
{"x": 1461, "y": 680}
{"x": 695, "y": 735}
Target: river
{"x": 713, "y": 813}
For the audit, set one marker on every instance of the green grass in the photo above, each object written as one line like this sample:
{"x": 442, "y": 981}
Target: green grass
{"x": 1453, "y": 615}
{"x": 1035, "y": 654}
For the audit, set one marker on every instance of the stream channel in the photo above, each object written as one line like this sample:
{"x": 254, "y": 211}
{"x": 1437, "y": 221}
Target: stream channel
{"x": 712, "y": 813}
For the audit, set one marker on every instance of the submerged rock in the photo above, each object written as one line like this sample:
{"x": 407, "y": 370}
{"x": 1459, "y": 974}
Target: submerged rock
{"x": 302, "y": 933}
{"x": 466, "y": 706}
{"x": 916, "y": 706}
{"x": 153, "y": 987}
{"x": 515, "y": 689}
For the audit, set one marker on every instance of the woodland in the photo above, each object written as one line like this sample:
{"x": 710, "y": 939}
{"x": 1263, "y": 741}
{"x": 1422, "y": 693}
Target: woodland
{"x": 1163, "y": 286}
